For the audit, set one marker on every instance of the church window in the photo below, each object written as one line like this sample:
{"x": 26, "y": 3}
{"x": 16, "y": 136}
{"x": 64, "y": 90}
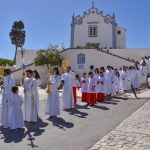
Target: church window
{"x": 119, "y": 32}
{"x": 92, "y": 31}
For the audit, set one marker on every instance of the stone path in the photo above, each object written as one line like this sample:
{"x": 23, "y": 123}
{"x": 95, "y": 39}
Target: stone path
{"x": 132, "y": 134}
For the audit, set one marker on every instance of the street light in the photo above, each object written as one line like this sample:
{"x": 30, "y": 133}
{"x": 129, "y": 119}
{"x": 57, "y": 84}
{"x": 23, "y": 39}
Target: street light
{"x": 23, "y": 66}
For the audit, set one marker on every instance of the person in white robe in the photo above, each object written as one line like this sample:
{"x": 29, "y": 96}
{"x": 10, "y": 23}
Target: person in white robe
{"x": 137, "y": 78}
{"x": 130, "y": 76}
{"x": 31, "y": 98}
{"x": 16, "y": 113}
{"x": 76, "y": 85}
{"x": 84, "y": 86}
{"x": 37, "y": 77}
{"x": 67, "y": 94}
{"x": 124, "y": 79}
{"x": 109, "y": 80}
{"x": 9, "y": 82}
{"x": 53, "y": 102}
{"x": 103, "y": 72}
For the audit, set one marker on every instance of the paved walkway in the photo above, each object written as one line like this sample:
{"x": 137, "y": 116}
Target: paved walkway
{"x": 132, "y": 134}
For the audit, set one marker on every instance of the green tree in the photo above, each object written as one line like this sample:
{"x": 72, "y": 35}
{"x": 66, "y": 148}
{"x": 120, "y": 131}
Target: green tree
{"x": 17, "y": 35}
{"x": 49, "y": 57}
{"x": 3, "y": 62}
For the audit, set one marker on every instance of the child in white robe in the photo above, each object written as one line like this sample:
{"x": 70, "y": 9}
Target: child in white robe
{"x": 84, "y": 86}
{"x": 53, "y": 101}
{"x": 76, "y": 85}
{"x": 16, "y": 114}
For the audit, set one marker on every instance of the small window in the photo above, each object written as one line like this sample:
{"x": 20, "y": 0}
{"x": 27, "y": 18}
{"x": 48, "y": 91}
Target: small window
{"x": 118, "y": 32}
{"x": 92, "y": 31}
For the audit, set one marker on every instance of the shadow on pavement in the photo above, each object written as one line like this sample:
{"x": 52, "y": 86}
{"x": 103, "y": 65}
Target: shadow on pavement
{"x": 61, "y": 123}
{"x": 32, "y": 130}
{"x": 100, "y": 107}
{"x": 10, "y": 136}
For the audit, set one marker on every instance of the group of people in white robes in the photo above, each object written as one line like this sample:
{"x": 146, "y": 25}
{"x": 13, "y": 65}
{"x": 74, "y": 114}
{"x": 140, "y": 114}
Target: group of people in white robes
{"x": 14, "y": 108}
{"x": 95, "y": 86}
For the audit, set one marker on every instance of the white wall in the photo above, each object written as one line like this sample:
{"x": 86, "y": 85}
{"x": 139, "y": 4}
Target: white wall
{"x": 121, "y": 38}
{"x": 92, "y": 57}
{"x": 132, "y": 53}
{"x": 28, "y": 58}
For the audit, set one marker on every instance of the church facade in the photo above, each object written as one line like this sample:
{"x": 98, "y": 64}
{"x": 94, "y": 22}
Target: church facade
{"x": 96, "y": 29}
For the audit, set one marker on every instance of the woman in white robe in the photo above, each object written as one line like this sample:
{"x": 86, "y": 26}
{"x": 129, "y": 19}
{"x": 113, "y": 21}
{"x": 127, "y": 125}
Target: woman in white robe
{"x": 16, "y": 114}
{"x": 53, "y": 102}
{"x": 9, "y": 82}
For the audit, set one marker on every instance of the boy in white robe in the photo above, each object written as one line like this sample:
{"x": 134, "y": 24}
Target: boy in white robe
{"x": 16, "y": 114}
{"x": 67, "y": 94}
{"x": 53, "y": 102}
{"x": 31, "y": 98}
{"x": 9, "y": 82}
{"x": 91, "y": 89}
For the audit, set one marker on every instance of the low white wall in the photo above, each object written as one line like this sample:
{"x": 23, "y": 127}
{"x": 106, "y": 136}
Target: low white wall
{"x": 92, "y": 57}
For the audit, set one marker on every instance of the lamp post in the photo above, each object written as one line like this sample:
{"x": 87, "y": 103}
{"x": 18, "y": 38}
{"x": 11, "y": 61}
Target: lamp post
{"x": 23, "y": 66}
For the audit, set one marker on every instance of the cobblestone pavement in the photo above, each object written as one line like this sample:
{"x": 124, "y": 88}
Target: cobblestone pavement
{"x": 132, "y": 134}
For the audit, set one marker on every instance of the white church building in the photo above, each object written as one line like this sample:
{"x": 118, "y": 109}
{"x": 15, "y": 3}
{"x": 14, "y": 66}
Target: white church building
{"x": 95, "y": 28}
{"x": 96, "y": 39}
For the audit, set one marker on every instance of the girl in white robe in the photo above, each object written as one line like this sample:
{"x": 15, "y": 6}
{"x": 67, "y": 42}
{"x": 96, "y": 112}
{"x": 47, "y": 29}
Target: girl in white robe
{"x": 16, "y": 114}
{"x": 53, "y": 102}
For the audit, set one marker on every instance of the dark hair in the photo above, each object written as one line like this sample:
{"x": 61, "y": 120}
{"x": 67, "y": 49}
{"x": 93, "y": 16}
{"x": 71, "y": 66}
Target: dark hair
{"x": 29, "y": 71}
{"x": 68, "y": 67}
{"x": 102, "y": 68}
{"x": 84, "y": 73}
{"x": 7, "y": 71}
{"x": 57, "y": 71}
{"x": 77, "y": 76}
{"x": 14, "y": 89}
{"x": 92, "y": 67}
{"x": 37, "y": 76}
{"x": 90, "y": 73}
{"x": 96, "y": 70}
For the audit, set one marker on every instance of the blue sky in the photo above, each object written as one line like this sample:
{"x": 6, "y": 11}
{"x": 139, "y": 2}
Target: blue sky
{"x": 48, "y": 21}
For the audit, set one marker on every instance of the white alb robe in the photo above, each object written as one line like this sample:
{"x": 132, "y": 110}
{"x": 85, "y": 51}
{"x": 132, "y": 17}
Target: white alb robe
{"x": 53, "y": 102}
{"x": 124, "y": 80}
{"x": 16, "y": 114}
{"x": 84, "y": 85}
{"x": 67, "y": 94}
{"x": 31, "y": 100}
{"x": 109, "y": 81}
{"x": 9, "y": 82}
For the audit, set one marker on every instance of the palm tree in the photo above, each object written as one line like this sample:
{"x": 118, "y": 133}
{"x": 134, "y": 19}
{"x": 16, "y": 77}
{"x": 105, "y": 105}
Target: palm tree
{"x": 17, "y": 35}
{"x": 49, "y": 57}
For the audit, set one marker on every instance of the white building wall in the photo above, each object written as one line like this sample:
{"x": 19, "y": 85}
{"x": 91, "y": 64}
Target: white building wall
{"x": 121, "y": 38}
{"x": 132, "y": 53}
{"x": 28, "y": 59}
{"x": 92, "y": 57}
{"x": 104, "y": 37}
